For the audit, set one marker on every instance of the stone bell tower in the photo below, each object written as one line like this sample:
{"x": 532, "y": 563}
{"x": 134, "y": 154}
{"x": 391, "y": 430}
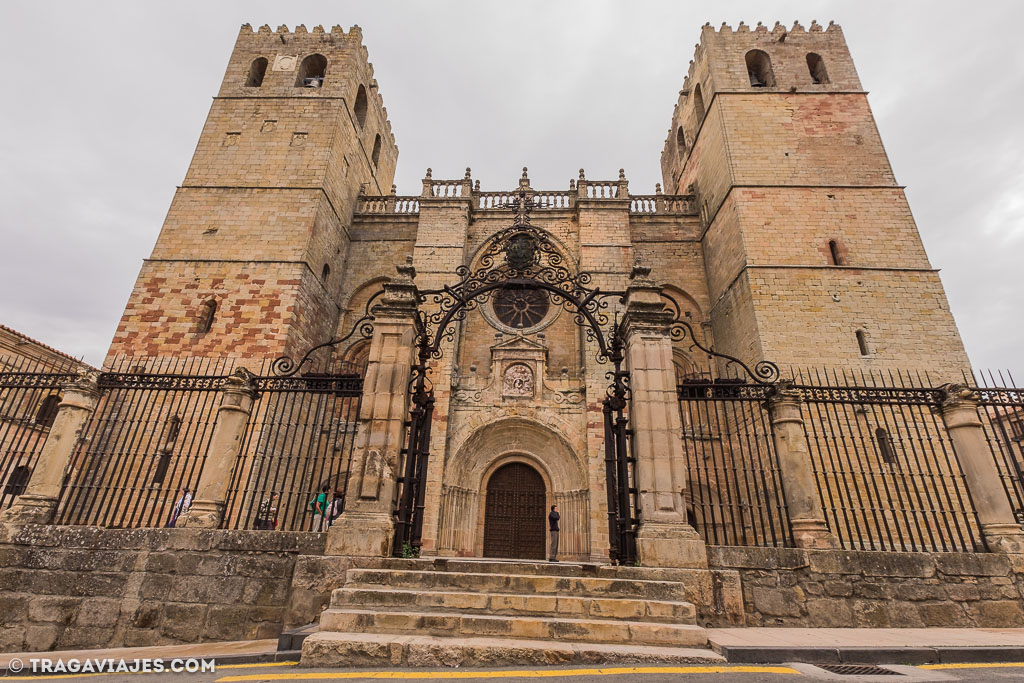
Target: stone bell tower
{"x": 812, "y": 255}
{"x": 250, "y": 259}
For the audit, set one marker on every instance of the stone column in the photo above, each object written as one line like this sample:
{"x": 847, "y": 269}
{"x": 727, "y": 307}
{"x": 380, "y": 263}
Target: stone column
{"x": 806, "y": 517}
{"x": 959, "y": 409}
{"x": 39, "y": 502}
{"x": 366, "y": 527}
{"x": 237, "y": 396}
{"x": 664, "y": 538}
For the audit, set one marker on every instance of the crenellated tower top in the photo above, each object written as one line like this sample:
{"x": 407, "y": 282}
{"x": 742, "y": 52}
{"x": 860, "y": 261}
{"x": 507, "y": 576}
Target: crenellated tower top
{"x": 780, "y": 59}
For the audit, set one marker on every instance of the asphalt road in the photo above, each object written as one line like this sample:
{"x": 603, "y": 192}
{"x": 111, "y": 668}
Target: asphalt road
{"x": 621, "y": 674}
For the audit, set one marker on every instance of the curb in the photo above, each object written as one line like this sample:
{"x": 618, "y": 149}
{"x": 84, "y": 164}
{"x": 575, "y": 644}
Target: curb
{"x": 868, "y": 655}
{"x": 222, "y": 660}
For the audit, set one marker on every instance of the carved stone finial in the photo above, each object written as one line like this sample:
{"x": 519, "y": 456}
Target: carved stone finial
{"x": 394, "y": 190}
{"x": 657, "y": 188}
{"x": 406, "y": 272}
{"x": 640, "y": 274}
{"x": 476, "y": 186}
{"x": 582, "y": 176}
{"x": 429, "y": 172}
{"x": 622, "y": 174}
{"x": 468, "y": 173}
{"x": 524, "y": 172}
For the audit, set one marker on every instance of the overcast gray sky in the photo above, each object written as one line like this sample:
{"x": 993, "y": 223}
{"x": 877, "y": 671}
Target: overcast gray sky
{"x": 104, "y": 102}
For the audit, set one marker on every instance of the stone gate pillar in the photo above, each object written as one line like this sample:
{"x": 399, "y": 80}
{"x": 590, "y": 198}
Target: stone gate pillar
{"x": 806, "y": 517}
{"x": 366, "y": 527}
{"x": 39, "y": 502}
{"x": 237, "y": 396}
{"x": 664, "y": 538}
{"x": 1000, "y": 530}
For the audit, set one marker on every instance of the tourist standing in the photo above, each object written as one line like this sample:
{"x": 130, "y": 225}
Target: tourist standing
{"x": 319, "y": 507}
{"x": 181, "y": 506}
{"x": 553, "y": 518}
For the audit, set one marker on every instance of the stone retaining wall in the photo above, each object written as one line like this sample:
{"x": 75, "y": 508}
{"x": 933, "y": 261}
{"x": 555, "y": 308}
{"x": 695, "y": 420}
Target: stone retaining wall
{"x": 841, "y": 588}
{"x": 85, "y": 587}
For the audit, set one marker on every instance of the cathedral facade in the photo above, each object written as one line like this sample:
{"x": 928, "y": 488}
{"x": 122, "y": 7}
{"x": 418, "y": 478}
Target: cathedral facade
{"x": 779, "y": 232}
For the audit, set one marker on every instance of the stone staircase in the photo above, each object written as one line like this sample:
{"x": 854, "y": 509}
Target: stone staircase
{"x": 457, "y": 612}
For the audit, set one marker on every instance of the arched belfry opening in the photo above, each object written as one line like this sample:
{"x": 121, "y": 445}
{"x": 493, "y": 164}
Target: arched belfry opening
{"x": 514, "y": 513}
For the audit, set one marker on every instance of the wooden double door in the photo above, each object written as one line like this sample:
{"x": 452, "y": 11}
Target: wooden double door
{"x": 515, "y": 513}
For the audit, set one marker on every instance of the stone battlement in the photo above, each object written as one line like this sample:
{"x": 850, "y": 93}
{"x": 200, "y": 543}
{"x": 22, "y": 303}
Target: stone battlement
{"x": 778, "y": 33}
{"x": 268, "y": 42}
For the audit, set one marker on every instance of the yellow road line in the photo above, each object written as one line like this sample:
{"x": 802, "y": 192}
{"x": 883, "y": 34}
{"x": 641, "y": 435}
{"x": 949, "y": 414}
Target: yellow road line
{"x": 253, "y": 665}
{"x": 971, "y": 665}
{"x": 525, "y": 673}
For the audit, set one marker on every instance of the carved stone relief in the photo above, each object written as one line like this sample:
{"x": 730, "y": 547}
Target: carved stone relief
{"x": 518, "y": 381}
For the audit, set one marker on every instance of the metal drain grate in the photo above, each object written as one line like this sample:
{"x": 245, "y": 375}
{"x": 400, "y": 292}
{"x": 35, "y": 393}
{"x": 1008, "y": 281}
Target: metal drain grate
{"x": 858, "y": 670}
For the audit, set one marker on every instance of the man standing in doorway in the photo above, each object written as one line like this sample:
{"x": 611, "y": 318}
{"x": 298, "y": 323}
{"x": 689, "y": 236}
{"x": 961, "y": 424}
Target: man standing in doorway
{"x": 553, "y": 518}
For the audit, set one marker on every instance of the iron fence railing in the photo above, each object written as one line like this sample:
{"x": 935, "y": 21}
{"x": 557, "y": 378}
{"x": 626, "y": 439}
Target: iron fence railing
{"x": 30, "y": 391}
{"x": 1001, "y": 409}
{"x": 735, "y": 490}
{"x": 146, "y": 443}
{"x": 299, "y": 439}
{"x": 886, "y": 469}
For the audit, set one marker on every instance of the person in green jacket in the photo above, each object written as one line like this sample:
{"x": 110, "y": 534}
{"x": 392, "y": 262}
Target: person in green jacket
{"x": 319, "y": 507}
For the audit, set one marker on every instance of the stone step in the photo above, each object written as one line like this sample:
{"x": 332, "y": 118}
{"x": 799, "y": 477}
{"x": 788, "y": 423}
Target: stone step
{"x": 516, "y": 583}
{"x": 511, "y": 604}
{"x": 334, "y": 649}
{"x": 449, "y": 624}
{"x": 492, "y": 566}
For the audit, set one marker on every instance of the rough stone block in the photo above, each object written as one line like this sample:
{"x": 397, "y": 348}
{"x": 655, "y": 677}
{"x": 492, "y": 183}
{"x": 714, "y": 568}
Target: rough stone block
{"x": 58, "y": 610}
{"x": 98, "y": 612}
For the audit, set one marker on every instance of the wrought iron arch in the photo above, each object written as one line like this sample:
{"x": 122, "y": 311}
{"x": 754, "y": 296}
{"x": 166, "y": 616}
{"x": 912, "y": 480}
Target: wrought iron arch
{"x": 522, "y": 255}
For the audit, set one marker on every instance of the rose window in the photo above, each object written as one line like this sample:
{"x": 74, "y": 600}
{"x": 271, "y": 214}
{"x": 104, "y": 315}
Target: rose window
{"x": 521, "y": 307}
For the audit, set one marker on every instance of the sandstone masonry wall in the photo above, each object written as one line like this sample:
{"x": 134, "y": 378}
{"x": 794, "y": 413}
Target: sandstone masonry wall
{"x": 85, "y": 587}
{"x": 845, "y": 588}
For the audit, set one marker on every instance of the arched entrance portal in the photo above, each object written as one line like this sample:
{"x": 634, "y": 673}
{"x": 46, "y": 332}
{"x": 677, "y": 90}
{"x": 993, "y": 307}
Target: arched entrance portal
{"x": 514, "y": 513}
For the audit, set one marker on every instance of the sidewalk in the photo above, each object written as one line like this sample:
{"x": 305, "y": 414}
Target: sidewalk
{"x": 737, "y": 645}
{"x": 868, "y": 645}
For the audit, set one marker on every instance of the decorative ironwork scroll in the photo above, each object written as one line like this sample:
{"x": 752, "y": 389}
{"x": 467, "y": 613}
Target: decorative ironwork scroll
{"x": 765, "y": 372}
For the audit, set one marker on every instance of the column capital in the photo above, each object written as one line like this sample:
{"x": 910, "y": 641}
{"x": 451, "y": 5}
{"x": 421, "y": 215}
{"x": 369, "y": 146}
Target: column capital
{"x": 784, "y": 399}
{"x": 83, "y": 391}
{"x": 957, "y": 397}
{"x": 645, "y": 308}
{"x": 238, "y": 387}
{"x": 401, "y": 297}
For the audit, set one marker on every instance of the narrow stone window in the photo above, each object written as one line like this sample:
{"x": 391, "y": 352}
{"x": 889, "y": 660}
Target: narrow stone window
{"x": 698, "y": 103}
{"x": 816, "y": 65}
{"x": 171, "y": 430}
{"x": 838, "y": 259}
{"x": 206, "y": 314}
{"x": 862, "y": 342}
{"x": 257, "y": 70}
{"x": 312, "y": 72}
{"x": 359, "y": 109}
{"x": 681, "y": 140}
{"x": 47, "y": 411}
{"x": 325, "y": 272}
{"x": 375, "y": 157}
{"x": 18, "y": 481}
{"x": 759, "y": 69}
{"x": 885, "y": 446}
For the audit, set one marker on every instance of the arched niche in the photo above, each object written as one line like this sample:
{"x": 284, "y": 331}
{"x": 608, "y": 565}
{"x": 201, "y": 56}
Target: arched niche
{"x": 498, "y": 443}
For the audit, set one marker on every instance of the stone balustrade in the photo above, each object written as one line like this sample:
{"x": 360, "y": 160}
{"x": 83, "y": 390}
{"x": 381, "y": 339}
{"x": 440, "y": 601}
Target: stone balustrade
{"x": 543, "y": 200}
